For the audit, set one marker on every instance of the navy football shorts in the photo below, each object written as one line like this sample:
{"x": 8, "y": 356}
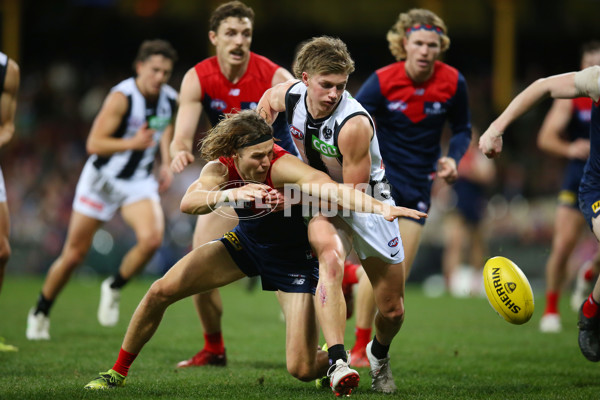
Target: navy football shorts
{"x": 288, "y": 267}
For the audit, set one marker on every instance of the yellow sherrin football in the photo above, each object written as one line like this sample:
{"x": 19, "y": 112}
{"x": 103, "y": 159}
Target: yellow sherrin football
{"x": 508, "y": 290}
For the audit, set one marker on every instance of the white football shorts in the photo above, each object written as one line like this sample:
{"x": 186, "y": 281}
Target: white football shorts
{"x": 2, "y": 188}
{"x": 374, "y": 236}
{"x": 99, "y": 196}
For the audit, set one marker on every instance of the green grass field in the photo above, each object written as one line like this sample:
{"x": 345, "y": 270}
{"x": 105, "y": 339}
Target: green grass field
{"x": 449, "y": 348}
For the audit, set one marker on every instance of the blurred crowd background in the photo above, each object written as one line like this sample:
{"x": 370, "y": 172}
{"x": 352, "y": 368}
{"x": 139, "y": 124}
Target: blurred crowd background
{"x": 71, "y": 52}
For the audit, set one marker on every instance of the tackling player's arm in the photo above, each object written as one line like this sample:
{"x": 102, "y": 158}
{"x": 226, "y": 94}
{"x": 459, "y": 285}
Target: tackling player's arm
{"x": 550, "y": 137}
{"x": 190, "y": 109}
{"x": 290, "y": 170}
{"x": 557, "y": 86}
{"x": 8, "y": 102}
{"x": 281, "y": 75}
{"x": 101, "y": 141}
{"x": 272, "y": 101}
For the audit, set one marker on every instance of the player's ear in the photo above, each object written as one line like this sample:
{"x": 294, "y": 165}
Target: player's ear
{"x": 212, "y": 36}
{"x": 138, "y": 67}
{"x": 305, "y": 78}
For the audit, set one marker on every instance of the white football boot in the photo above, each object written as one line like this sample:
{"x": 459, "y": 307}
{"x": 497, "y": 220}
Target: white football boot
{"x": 38, "y": 326}
{"x": 381, "y": 373}
{"x": 550, "y": 323}
{"x": 108, "y": 311}
{"x": 342, "y": 378}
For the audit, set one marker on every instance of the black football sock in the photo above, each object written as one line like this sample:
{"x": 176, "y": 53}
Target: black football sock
{"x": 378, "y": 350}
{"x": 118, "y": 281}
{"x": 336, "y": 352}
{"x": 43, "y": 305}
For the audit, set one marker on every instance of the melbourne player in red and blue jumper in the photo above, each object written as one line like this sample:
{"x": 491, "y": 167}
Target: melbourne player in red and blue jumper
{"x": 221, "y": 96}
{"x": 273, "y": 245}
{"x": 410, "y": 101}
{"x": 410, "y": 118}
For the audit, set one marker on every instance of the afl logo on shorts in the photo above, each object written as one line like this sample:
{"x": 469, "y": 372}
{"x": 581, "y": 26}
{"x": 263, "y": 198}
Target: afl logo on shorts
{"x": 297, "y": 133}
{"x": 393, "y": 242}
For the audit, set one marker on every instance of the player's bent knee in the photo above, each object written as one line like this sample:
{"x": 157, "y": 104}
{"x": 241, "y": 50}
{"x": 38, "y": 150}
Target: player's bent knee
{"x": 331, "y": 265}
{"x": 393, "y": 313}
{"x": 73, "y": 257}
{"x": 151, "y": 243}
{"x": 302, "y": 372}
{"x": 161, "y": 292}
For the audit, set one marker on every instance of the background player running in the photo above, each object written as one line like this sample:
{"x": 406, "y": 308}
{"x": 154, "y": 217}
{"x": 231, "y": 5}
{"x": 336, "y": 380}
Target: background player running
{"x": 411, "y": 101}
{"x": 133, "y": 124}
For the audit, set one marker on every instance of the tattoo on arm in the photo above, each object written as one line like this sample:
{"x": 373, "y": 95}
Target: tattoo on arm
{"x": 263, "y": 113}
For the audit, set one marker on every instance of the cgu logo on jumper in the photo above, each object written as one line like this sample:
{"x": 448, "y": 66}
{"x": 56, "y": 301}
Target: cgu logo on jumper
{"x": 596, "y": 206}
{"x": 158, "y": 123}
{"x": 324, "y": 148}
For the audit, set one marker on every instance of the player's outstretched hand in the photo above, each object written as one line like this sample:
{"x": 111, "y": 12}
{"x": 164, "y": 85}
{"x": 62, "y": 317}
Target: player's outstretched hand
{"x": 447, "y": 170}
{"x": 490, "y": 143}
{"x": 392, "y": 212}
{"x": 181, "y": 160}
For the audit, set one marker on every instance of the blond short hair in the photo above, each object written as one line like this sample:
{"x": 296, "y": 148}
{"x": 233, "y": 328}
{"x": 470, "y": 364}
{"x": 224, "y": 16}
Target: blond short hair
{"x": 416, "y": 16}
{"x": 323, "y": 55}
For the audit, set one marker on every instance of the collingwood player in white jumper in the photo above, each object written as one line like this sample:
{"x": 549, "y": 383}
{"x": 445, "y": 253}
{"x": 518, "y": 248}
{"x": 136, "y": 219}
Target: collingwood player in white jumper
{"x": 334, "y": 134}
{"x": 132, "y": 125}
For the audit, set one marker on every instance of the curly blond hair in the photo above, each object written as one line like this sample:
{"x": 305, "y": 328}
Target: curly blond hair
{"x": 416, "y": 16}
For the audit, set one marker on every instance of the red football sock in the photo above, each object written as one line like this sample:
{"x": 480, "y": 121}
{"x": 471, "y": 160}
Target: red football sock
{"x": 590, "y": 307}
{"x": 124, "y": 361}
{"x": 588, "y": 275}
{"x": 552, "y": 302}
{"x": 363, "y": 337}
{"x": 213, "y": 342}
{"x": 350, "y": 273}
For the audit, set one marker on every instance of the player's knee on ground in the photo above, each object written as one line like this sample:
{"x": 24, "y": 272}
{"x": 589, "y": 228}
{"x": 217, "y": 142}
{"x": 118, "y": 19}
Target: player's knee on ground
{"x": 300, "y": 370}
